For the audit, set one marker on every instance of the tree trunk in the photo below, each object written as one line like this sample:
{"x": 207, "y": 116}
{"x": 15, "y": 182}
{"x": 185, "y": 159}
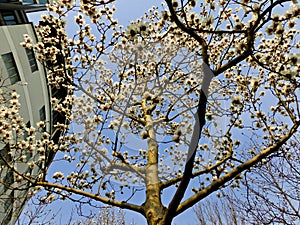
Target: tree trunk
{"x": 154, "y": 210}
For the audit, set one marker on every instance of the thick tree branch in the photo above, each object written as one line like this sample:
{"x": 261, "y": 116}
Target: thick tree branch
{"x": 199, "y": 123}
{"x": 112, "y": 202}
{"x": 238, "y": 170}
{"x": 123, "y": 205}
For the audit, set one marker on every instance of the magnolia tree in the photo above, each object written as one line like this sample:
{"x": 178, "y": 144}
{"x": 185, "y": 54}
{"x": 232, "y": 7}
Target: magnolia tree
{"x": 176, "y": 106}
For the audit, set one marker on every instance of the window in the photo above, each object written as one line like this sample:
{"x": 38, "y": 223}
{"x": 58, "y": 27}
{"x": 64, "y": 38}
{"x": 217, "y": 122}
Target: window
{"x": 11, "y": 67}
{"x": 31, "y": 59}
{"x": 29, "y": 1}
{"x": 26, "y": 135}
{"x": 5, "y": 155}
{"x": 8, "y": 207}
{"x": 43, "y": 2}
{"x": 12, "y": 17}
{"x": 28, "y": 125}
{"x": 7, "y": 179}
{"x": 42, "y": 114}
{"x": 9, "y": 18}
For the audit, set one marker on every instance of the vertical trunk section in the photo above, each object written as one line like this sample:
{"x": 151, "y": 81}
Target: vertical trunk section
{"x": 154, "y": 210}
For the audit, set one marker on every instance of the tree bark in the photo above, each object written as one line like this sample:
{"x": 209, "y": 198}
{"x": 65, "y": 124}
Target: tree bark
{"x": 154, "y": 210}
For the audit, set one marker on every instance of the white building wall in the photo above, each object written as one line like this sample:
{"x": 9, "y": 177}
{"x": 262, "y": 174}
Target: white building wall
{"x": 32, "y": 88}
{"x": 33, "y": 91}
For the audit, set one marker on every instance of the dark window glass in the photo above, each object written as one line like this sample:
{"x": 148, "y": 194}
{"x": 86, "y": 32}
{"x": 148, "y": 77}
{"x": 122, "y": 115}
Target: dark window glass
{"x": 28, "y": 153}
{"x": 43, "y": 114}
{"x": 9, "y": 18}
{"x": 31, "y": 59}
{"x": 5, "y": 155}
{"x": 26, "y": 134}
{"x": 11, "y": 67}
{"x": 7, "y": 179}
{"x": 8, "y": 208}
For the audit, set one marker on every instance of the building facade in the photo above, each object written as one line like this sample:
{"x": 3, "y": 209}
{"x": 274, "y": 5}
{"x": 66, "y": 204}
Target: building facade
{"x": 20, "y": 70}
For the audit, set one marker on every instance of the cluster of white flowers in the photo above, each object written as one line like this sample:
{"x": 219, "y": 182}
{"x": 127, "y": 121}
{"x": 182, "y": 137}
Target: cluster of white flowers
{"x": 58, "y": 175}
